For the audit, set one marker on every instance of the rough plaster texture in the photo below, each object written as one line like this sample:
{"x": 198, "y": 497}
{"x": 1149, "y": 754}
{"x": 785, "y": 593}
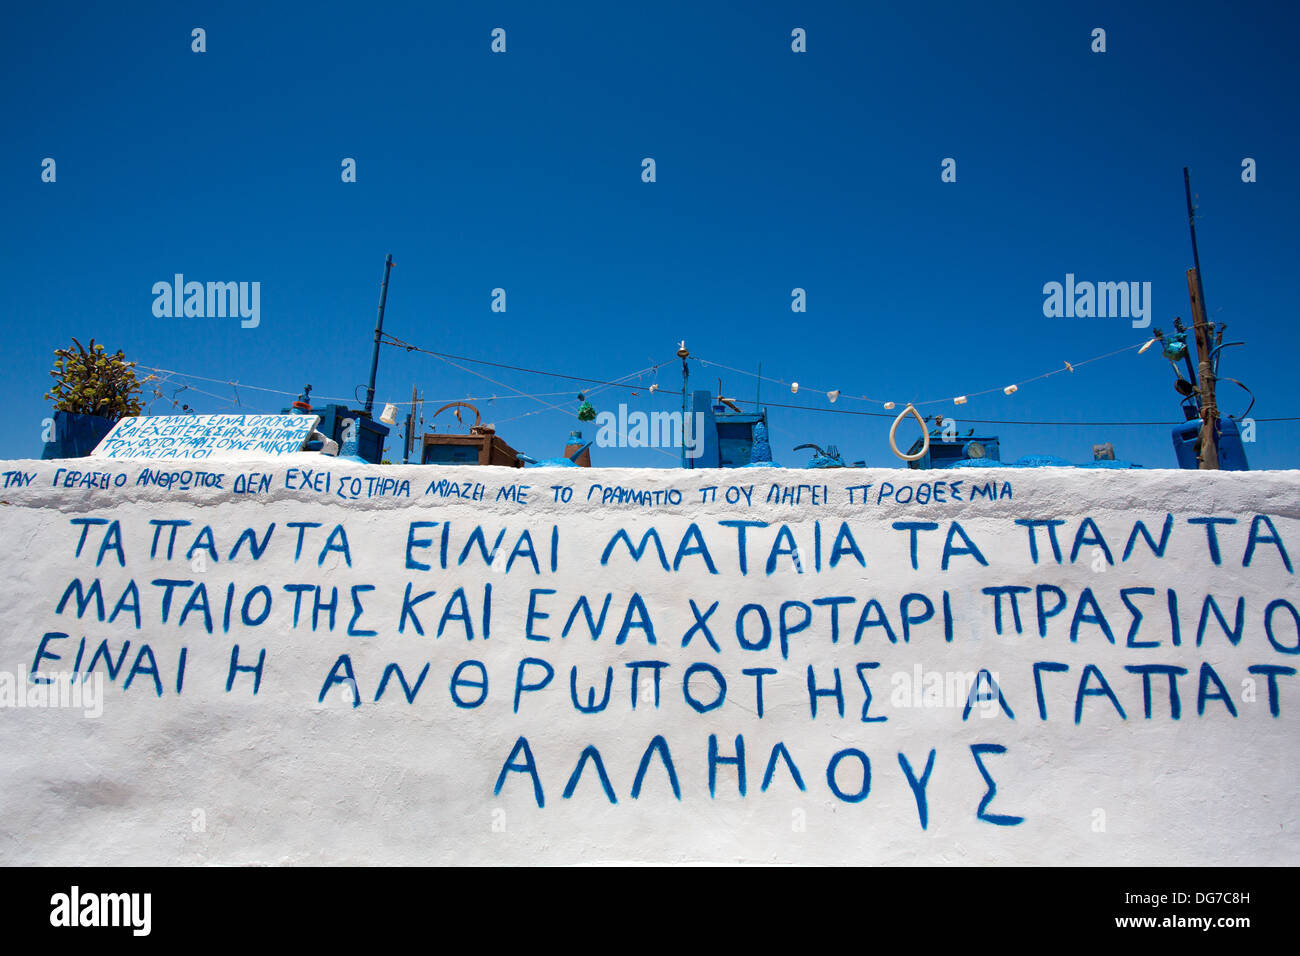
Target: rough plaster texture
{"x": 216, "y": 776}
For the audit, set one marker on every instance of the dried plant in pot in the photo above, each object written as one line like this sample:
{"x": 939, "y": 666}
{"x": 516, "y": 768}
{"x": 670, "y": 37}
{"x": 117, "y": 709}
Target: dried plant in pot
{"x": 93, "y": 388}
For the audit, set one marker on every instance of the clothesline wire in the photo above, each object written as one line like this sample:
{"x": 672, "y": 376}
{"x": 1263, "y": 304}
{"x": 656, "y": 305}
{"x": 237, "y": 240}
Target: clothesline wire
{"x": 595, "y": 385}
{"x": 323, "y": 398}
{"x": 407, "y": 346}
{"x": 704, "y": 362}
{"x": 395, "y": 342}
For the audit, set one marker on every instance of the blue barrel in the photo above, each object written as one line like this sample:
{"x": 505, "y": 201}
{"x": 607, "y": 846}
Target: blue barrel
{"x": 1232, "y": 452}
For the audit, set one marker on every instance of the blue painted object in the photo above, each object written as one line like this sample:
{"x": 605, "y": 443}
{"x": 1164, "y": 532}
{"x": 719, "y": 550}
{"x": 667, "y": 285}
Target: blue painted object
{"x": 1040, "y": 461}
{"x": 348, "y": 450}
{"x": 727, "y": 439}
{"x": 1176, "y": 347}
{"x": 760, "y": 456}
{"x": 369, "y": 434}
{"x": 957, "y": 454}
{"x": 829, "y": 457}
{"x": 450, "y": 455}
{"x": 564, "y": 461}
{"x": 761, "y": 452}
{"x": 75, "y": 436}
{"x": 1232, "y": 453}
{"x": 946, "y": 454}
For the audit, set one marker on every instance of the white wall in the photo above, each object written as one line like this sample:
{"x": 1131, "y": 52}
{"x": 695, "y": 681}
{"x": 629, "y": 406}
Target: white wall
{"x": 210, "y": 775}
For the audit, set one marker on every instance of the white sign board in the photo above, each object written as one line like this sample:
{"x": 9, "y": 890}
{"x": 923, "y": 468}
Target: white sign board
{"x": 207, "y": 437}
{"x": 335, "y": 663}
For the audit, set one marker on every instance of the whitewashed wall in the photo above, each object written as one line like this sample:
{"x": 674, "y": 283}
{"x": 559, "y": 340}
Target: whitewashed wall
{"x": 181, "y": 768}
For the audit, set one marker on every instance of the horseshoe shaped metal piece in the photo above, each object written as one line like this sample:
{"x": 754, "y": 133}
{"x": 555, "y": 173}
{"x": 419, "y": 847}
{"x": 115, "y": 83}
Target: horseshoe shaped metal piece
{"x": 925, "y": 434}
{"x": 478, "y": 420}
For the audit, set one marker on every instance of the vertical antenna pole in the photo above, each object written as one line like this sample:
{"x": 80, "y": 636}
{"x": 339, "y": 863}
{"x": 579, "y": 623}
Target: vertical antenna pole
{"x": 410, "y": 429}
{"x": 379, "y": 331}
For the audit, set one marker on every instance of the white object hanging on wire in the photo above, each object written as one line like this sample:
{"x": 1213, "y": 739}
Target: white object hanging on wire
{"x": 925, "y": 434}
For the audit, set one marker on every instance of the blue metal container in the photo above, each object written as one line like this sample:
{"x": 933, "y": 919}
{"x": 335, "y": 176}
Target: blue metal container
{"x": 450, "y": 455}
{"x": 75, "y": 436}
{"x": 727, "y": 440}
{"x": 333, "y": 418}
{"x": 944, "y": 454}
{"x": 1232, "y": 453}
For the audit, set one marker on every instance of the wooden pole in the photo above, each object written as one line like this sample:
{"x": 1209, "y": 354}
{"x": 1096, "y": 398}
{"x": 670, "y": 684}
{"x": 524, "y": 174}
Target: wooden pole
{"x": 1209, "y": 444}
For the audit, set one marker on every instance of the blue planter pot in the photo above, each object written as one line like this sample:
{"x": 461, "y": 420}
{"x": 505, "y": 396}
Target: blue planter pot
{"x": 75, "y": 436}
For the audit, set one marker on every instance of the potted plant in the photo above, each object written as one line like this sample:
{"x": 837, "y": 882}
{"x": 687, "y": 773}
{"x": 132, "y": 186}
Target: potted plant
{"x": 92, "y": 390}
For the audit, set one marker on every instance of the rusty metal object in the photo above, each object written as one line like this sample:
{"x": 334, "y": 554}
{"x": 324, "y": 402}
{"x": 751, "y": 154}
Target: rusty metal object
{"x": 478, "y": 419}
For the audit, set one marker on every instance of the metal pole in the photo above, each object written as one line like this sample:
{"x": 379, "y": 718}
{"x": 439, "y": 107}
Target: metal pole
{"x": 1191, "y": 226}
{"x": 379, "y": 331}
{"x": 410, "y": 428}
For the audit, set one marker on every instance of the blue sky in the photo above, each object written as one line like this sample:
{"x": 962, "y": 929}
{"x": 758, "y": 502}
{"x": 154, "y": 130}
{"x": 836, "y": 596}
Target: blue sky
{"x": 775, "y": 170}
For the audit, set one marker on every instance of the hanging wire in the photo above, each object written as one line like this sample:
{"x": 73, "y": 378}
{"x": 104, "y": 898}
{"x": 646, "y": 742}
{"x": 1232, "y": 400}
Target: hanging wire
{"x": 588, "y": 392}
{"x": 322, "y": 398}
{"x": 398, "y": 343}
{"x": 1068, "y": 367}
{"x": 593, "y": 385}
